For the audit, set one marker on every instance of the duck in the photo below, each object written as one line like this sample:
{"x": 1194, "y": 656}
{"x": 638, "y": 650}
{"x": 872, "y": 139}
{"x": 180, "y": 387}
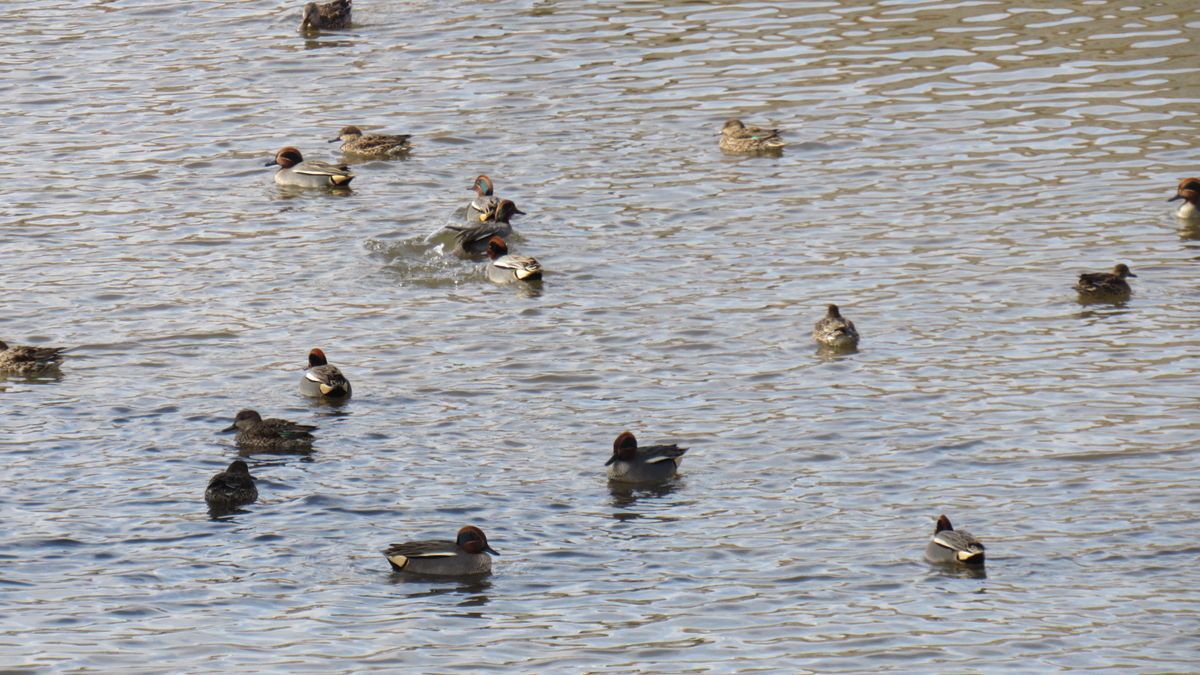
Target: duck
{"x": 373, "y": 146}
{"x": 506, "y": 268}
{"x": 1105, "y": 283}
{"x": 232, "y": 487}
{"x": 652, "y": 464}
{"x": 28, "y": 360}
{"x": 297, "y": 172}
{"x": 472, "y": 240}
{"x": 835, "y": 331}
{"x": 466, "y": 555}
{"x": 1189, "y": 191}
{"x": 254, "y": 434}
{"x": 737, "y": 137}
{"x": 953, "y": 546}
{"x": 328, "y": 16}
{"x": 484, "y": 204}
{"x": 322, "y": 379}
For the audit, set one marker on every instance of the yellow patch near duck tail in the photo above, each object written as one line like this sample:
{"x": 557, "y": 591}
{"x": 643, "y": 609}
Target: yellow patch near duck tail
{"x": 483, "y": 217}
{"x": 340, "y": 180}
{"x": 325, "y": 389}
{"x": 398, "y": 561}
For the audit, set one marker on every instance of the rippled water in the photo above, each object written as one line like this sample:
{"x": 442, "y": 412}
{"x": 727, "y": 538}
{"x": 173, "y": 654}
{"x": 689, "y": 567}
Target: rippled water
{"x": 953, "y": 166}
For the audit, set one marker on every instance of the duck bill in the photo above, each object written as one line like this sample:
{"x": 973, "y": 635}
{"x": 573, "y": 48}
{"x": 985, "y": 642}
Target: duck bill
{"x": 611, "y": 459}
{"x": 271, "y": 163}
{"x": 1175, "y": 198}
{"x": 334, "y": 140}
{"x": 519, "y": 211}
{"x": 489, "y": 549}
{"x": 1131, "y": 274}
{"x": 231, "y": 427}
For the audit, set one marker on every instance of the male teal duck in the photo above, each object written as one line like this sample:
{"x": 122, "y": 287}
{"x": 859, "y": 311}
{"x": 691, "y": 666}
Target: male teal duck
{"x": 953, "y": 546}
{"x": 1105, "y": 284}
{"x": 835, "y": 332}
{"x": 472, "y": 240}
{"x": 28, "y": 360}
{"x": 1189, "y": 191}
{"x": 651, "y": 464}
{"x": 296, "y": 172}
{"x": 322, "y": 379}
{"x": 739, "y": 138}
{"x": 328, "y": 16}
{"x": 232, "y": 487}
{"x": 483, "y": 205}
{"x": 467, "y": 555}
{"x": 373, "y": 146}
{"x": 254, "y": 434}
{"x": 506, "y": 268}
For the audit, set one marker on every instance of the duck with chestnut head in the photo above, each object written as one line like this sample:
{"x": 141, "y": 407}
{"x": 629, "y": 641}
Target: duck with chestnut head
{"x": 469, "y": 554}
{"x": 650, "y": 464}
{"x": 295, "y": 171}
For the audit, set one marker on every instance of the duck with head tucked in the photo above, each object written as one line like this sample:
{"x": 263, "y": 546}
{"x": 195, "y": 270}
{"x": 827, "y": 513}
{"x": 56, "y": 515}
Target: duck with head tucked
{"x": 1189, "y": 191}
{"x": 254, "y": 434}
{"x": 472, "y": 240}
{"x": 835, "y": 332}
{"x": 950, "y": 546}
{"x": 232, "y": 487}
{"x": 27, "y": 360}
{"x": 1105, "y": 284}
{"x": 650, "y": 464}
{"x": 739, "y": 138}
{"x": 506, "y": 268}
{"x": 328, "y": 16}
{"x": 466, "y": 555}
{"x": 295, "y": 171}
{"x": 322, "y": 379}
{"x": 373, "y": 146}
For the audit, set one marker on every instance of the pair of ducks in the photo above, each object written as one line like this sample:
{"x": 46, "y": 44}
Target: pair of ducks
{"x": 295, "y": 171}
{"x": 469, "y": 553}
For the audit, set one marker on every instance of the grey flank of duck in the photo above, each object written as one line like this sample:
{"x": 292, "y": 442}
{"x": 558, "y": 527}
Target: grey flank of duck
{"x": 232, "y": 487}
{"x": 466, "y": 555}
{"x": 739, "y": 138}
{"x": 28, "y": 360}
{"x": 950, "y": 546}
{"x": 297, "y": 172}
{"x": 483, "y": 206}
{"x": 835, "y": 331}
{"x": 650, "y": 464}
{"x": 1105, "y": 284}
{"x": 1189, "y": 191}
{"x": 506, "y": 268}
{"x": 254, "y": 434}
{"x": 373, "y": 146}
{"x": 322, "y": 379}
{"x": 327, "y": 16}
{"x": 472, "y": 240}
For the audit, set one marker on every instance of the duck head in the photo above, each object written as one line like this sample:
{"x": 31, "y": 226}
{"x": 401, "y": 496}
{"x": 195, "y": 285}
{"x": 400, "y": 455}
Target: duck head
{"x": 316, "y": 358}
{"x": 624, "y": 448}
{"x": 732, "y": 125}
{"x": 1122, "y": 271}
{"x": 239, "y": 467}
{"x": 244, "y": 420}
{"x": 471, "y": 539}
{"x": 833, "y": 312}
{"x": 483, "y": 186}
{"x": 287, "y": 158}
{"x": 1189, "y": 189}
{"x": 505, "y": 209}
{"x": 496, "y": 247}
{"x": 349, "y": 133}
{"x": 311, "y": 20}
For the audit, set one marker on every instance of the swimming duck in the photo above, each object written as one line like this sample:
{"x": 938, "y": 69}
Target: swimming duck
{"x": 835, "y": 331}
{"x": 470, "y": 240}
{"x": 297, "y": 172}
{"x": 1189, "y": 190}
{"x": 27, "y": 360}
{"x": 232, "y": 487}
{"x": 322, "y": 379}
{"x": 254, "y": 434}
{"x": 631, "y": 464}
{"x": 329, "y": 16}
{"x": 373, "y": 146}
{"x": 1105, "y": 283}
{"x": 484, "y": 204}
{"x": 950, "y": 546}
{"x": 737, "y": 137}
{"x": 466, "y": 555}
{"x": 506, "y": 268}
